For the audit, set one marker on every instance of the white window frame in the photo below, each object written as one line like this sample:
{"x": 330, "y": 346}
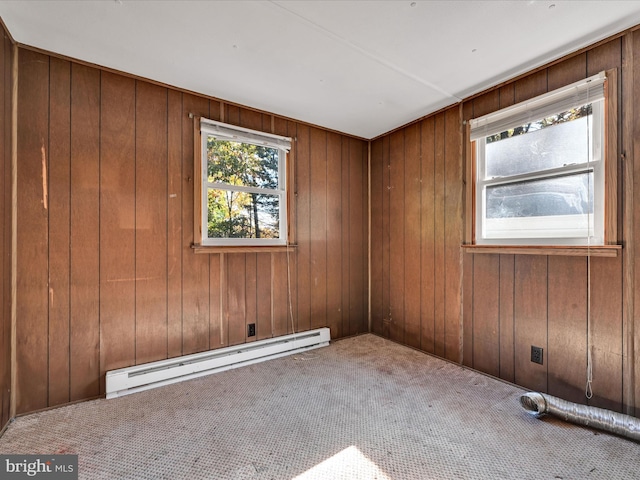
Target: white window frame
{"x": 544, "y": 230}
{"x": 223, "y": 131}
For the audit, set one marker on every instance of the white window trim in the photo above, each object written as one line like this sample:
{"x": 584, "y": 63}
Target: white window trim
{"x": 538, "y": 230}
{"x": 223, "y": 131}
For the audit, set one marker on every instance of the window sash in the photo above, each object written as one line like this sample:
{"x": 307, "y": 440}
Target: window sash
{"x": 242, "y": 188}
{"x": 595, "y": 161}
{"x": 226, "y": 132}
{"x": 545, "y": 229}
{"x": 536, "y": 229}
{"x": 574, "y": 95}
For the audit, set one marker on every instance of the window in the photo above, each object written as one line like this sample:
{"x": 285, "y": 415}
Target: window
{"x": 540, "y": 169}
{"x": 243, "y": 186}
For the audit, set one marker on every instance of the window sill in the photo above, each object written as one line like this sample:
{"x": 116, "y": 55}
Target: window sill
{"x": 568, "y": 251}
{"x": 241, "y": 249}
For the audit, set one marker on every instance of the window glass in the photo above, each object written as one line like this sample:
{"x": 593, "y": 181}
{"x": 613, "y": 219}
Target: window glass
{"x": 564, "y": 195}
{"x": 553, "y": 142}
{"x": 237, "y": 163}
{"x": 234, "y": 214}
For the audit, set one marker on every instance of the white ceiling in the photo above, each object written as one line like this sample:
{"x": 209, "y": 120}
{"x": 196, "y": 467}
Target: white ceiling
{"x": 359, "y": 67}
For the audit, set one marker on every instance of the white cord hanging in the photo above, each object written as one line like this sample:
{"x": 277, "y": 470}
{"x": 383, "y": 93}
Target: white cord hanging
{"x": 588, "y": 387}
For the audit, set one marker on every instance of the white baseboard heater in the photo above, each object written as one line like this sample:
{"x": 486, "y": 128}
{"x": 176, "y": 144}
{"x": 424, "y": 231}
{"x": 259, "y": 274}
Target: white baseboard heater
{"x": 164, "y": 372}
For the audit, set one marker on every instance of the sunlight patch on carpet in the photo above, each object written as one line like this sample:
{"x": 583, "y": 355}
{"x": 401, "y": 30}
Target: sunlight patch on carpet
{"x": 348, "y": 464}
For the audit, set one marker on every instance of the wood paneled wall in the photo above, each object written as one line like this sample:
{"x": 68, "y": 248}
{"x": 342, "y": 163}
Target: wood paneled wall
{"x": 106, "y": 274}
{"x": 516, "y": 301}
{"x": 416, "y": 233}
{"x": 107, "y": 278}
{"x": 5, "y": 225}
{"x": 509, "y": 302}
{"x": 519, "y": 300}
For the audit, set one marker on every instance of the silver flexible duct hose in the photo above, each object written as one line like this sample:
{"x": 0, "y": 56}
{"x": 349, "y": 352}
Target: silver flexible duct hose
{"x": 537, "y": 404}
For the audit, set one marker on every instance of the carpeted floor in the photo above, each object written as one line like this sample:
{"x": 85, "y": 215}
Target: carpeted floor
{"x": 362, "y": 408}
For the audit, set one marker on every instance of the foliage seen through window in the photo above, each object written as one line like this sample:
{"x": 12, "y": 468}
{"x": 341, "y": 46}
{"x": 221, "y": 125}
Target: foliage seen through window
{"x": 242, "y": 212}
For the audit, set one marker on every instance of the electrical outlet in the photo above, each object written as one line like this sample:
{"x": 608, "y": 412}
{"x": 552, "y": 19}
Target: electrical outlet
{"x": 251, "y": 330}
{"x": 536, "y": 354}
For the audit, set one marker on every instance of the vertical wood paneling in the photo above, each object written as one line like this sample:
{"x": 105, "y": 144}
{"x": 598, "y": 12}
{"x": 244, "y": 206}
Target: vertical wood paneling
{"x": 487, "y": 103}
{"x": 264, "y": 297}
{"x": 427, "y": 236}
{"x": 303, "y": 204}
{"x": 439, "y": 237}
{"x": 604, "y": 57}
{"x": 251, "y": 296}
{"x": 567, "y": 71}
{"x": 10, "y": 392}
{"x": 232, "y": 113}
{"x": 521, "y": 324}
{"x": 499, "y": 321}
{"x": 33, "y": 239}
{"x": 531, "y": 86}
{"x": 453, "y": 234}
{"x": 467, "y": 309}
{"x": 507, "y": 95}
{"x": 631, "y": 222}
{"x": 567, "y": 315}
{"x": 467, "y": 110}
{"x": 236, "y": 296}
{"x": 357, "y": 237}
{"x": 530, "y": 308}
{"x": 281, "y": 323}
{"x": 117, "y": 222}
{"x": 386, "y": 238}
{"x": 59, "y": 210}
{"x": 195, "y": 268}
{"x": 87, "y": 120}
{"x": 396, "y": 235}
{"x": 151, "y": 222}
{"x": 412, "y": 233}
{"x": 215, "y": 107}
{"x": 507, "y": 348}
{"x": 606, "y": 332}
{"x": 486, "y": 314}
{"x": 85, "y": 232}
{"x": 334, "y": 234}
{"x": 365, "y": 325}
{"x": 126, "y": 286}
{"x": 318, "y": 227}
{"x": 292, "y": 257}
{"x": 174, "y": 224}
{"x": 377, "y": 192}
{"x": 268, "y": 123}
{"x": 215, "y": 302}
{"x": 6, "y": 213}
{"x": 251, "y": 119}
{"x": 280, "y": 271}
{"x": 346, "y": 236}
{"x": 5, "y": 275}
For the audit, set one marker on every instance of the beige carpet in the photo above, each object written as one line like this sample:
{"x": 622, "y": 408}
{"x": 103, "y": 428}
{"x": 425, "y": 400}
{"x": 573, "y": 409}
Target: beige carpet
{"x": 362, "y": 408}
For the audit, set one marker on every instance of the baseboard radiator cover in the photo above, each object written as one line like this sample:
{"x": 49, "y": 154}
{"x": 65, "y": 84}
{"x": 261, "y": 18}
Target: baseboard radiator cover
{"x": 138, "y": 378}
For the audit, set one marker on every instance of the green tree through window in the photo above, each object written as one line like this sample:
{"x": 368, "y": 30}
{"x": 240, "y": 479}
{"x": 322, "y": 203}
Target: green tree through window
{"x": 253, "y": 210}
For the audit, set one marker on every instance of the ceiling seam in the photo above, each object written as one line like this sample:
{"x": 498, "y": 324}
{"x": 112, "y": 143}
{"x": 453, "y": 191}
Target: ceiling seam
{"x": 363, "y": 51}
